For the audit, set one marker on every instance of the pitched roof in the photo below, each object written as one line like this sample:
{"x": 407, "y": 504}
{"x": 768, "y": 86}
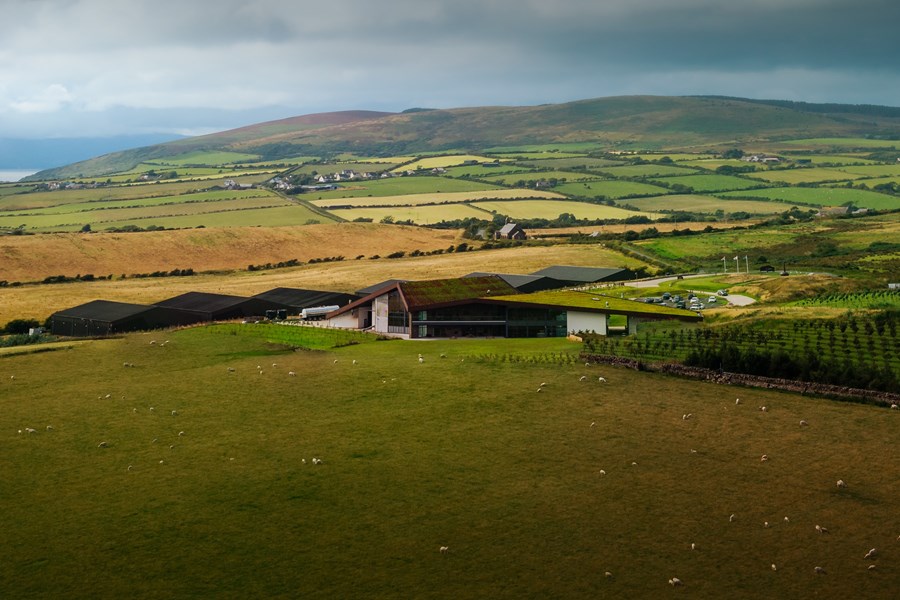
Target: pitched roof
{"x": 377, "y": 286}
{"x": 582, "y": 274}
{"x": 104, "y": 310}
{"x": 421, "y": 294}
{"x": 509, "y": 228}
{"x": 202, "y": 302}
{"x": 299, "y": 298}
{"x": 524, "y": 283}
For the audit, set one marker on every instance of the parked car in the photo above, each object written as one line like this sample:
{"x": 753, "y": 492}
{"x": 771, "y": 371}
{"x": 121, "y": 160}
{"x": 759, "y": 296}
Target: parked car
{"x": 711, "y": 299}
{"x": 722, "y": 292}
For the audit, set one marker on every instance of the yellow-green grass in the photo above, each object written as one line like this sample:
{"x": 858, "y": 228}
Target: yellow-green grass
{"x": 444, "y": 161}
{"x": 375, "y": 159}
{"x": 832, "y": 159}
{"x": 644, "y": 171}
{"x": 64, "y": 218}
{"x": 609, "y": 189}
{"x": 395, "y": 186}
{"x": 330, "y": 168}
{"x": 873, "y": 170}
{"x": 481, "y": 171}
{"x": 204, "y": 157}
{"x": 560, "y": 149}
{"x": 676, "y": 156}
{"x": 751, "y": 243}
{"x": 459, "y": 452}
{"x": 822, "y": 196}
{"x": 549, "y": 154}
{"x": 551, "y": 209}
{"x": 870, "y": 183}
{"x": 420, "y": 215}
{"x": 273, "y": 216}
{"x": 514, "y": 178}
{"x": 711, "y": 183}
{"x": 850, "y": 143}
{"x": 441, "y": 198}
{"x": 714, "y": 163}
{"x": 586, "y": 162}
{"x": 707, "y": 204}
{"x": 220, "y": 258}
{"x": 804, "y": 175}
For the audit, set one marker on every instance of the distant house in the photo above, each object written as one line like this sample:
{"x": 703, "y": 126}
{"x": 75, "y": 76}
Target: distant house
{"x": 510, "y": 231}
{"x": 833, "y": 211}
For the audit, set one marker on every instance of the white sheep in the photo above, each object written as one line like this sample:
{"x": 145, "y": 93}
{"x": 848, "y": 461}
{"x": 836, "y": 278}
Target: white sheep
{"x": 231, "y": 369}
{"x": 821, "y": 529}
{"x": 174, "y": 413}
{"x": 764, "y": 408}
{"x": 30, "y": 430}
{"x": 675, "y": 582}
{"x": 786, "y": 520}
{"x": 49, "y": 427}
{"x": 894, "y": 406}
{"x": 582, "y": 378}
{"x": 693, "y": 546}
{"x": 444, "y": 549}
{"x": 103, "y": 445}
{"x": 764, "y": 458}
{"x": 819, "y": 570}
{"x": 602, "y": 472}
{"x": 840, "y": 483}
{"x": 870, "y": 554}
{"x": 354, "y": 361}
{"x": 292, "y": 374}
{"x": 180, "y": 434}
{"x": 766, "y": 524}
{"x": 871, "y": 567}
{"x": 601, "y": 379}
{"x": 774, "y": 568}
{"x": 593, "y": 423}
{"x": 731, "y": 518}
{"x": 737, "y": 401}
{"x": 421, "y": 360}
{"x": 803, "y": 423}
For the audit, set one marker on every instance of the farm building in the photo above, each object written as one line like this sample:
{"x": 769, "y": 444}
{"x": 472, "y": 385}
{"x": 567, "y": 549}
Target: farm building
{"x": 525, "y": 284}
{"x": 218, "y": 307}
{"x": 584, "y": 275}
{"x": 489, "y": 307}
{"x": 104, "y": 317}
{"x": 510, "y": 231}
{"x": 377, "y": 286}
{"x": 295, "y": 300}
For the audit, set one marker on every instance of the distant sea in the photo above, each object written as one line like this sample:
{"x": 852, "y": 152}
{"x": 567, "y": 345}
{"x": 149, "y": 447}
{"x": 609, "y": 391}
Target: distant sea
{"x": 14, "y": 175}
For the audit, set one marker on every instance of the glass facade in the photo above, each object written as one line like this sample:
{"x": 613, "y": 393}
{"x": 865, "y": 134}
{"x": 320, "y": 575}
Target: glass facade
{"x": 489, "y": 320}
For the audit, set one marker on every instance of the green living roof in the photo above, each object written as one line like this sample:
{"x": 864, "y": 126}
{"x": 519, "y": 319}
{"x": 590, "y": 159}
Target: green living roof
{"x": 594, "y": 302}
{"x": 420, "y": 294}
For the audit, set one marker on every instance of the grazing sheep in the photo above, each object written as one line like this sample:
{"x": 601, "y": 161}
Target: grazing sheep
{"x": 764, "y": 458}
{"x": 607, "y": 574}
{"x": 693, "y": 546}
{"x": 840, "y": 483}
{"x": 774, "y": 568}
{"x": 593, "y": 423}
{"x": 539, "y": 389}
{"x": 731, "y": 518}
{"x": 421, "y": 360}
{"x": 274, "y": 365}
{"x": 162, "y": 461}
{"x": 786, "y": 520}
{"x": 49, "y": 427}
{"x": 12, "y": 376}
{"x": 292, "y": 374}
{"x": 129, "y": 468}
{"x": 334, "y": 362}
{"x": 543, "y": 384}
{"x": 354, "y": 361}
{"x": 764, "y": 409}
{"x": 443, "y": 355}
{"x": 152, "y": 342}
{"x": 174, "y": 413}
{"x": 444, "y": 549}
{"x": 154, "y": 440}
{"x": 30, "y": 430}
{"x": 602, "y": 472}
{"x": 819, "y": 570}
{"x": 894, "y": 406}
{"x": 103, "y": 445}
{"x": 871, "y": 567}
{"x": 675, "y": 582}
{"x": 582, "y": 378}
{"x": 803, "y": 423}
{"x": 231, "y": 369}
{"x": 316, "y": 461}
{"x": 737, "y": 401}
{"x": 152, "y": 409}
{"x": 601, "y": 379}
{"x": 687, "y": 416}
{"x": 821, "y": 529}
{"x": 180, "y": 433}
{"x": 870, "y": 554}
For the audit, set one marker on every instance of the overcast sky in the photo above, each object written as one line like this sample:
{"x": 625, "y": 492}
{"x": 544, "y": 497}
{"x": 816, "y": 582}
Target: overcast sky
{"x": 106, "y": 67}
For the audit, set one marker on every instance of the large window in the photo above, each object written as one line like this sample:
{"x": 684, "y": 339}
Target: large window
{"x": 397, "y": 315}
{"x": 528, "y": 321}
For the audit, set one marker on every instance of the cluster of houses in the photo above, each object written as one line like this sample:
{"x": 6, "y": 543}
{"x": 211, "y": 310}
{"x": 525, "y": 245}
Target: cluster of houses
{"x": 541, "y": 304}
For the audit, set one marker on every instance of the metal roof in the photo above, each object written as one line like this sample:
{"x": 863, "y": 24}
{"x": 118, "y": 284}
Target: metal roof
{"x": 203, "y": 302}
{"x": 299, "y": 298}
{"x": 524, "y": 283}
{"x": 377, "y": 286}
{"x": 104, "y": 310}
{"x": 582, "y": 274}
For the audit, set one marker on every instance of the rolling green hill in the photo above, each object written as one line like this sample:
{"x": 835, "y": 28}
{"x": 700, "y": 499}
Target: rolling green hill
{"x": 618, "y": 122}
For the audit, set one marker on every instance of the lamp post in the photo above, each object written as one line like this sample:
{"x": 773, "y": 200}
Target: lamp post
{"x": 747, "y": 264}
{"x": 737, "y": 264}
{"x": 724, "y": 265}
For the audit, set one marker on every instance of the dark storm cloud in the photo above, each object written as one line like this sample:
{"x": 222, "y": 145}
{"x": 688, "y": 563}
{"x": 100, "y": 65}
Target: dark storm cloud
{"x": 68, "y": 62}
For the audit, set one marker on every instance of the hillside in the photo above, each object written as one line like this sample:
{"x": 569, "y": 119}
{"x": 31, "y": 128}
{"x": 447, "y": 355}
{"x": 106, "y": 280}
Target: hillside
{"x": 624, "y": 122}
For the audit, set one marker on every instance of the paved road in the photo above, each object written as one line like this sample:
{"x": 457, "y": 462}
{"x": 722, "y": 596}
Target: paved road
{"x": 736, "y": 299}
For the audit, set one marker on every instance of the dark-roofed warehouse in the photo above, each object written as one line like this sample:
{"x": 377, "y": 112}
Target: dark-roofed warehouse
{"x": 295, "y": 300}
{"x": 217, "y": 307}
{"x": 582, "y": 275}
{"x": 104, "y": 317}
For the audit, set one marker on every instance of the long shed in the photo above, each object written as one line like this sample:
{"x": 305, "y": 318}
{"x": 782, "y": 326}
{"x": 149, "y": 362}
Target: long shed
{"x": 105, "y": 317}
{"x": 295, "y": 300}
{"x": 218, "y": 307}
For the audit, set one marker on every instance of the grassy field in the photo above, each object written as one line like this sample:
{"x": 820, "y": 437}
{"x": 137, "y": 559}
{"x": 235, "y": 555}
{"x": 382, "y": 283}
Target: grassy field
{"x": 226, "y": 249}
{"x": 531, "y": 500}
{"x": 481, "y": 171}
{"x": 436, "y": 198}
{"x": 397, "y": 186}
{"x": 707, "y": 204}
{"x": 551, "y": 209}
{"x": 444, "y": 161}
{"x": 577, "y": 162}
{"x": 873, "y": 170}
{"x": 420, "y": 215}
{"x": 609, "y": 189}
{"x": 652, "y": 170}
{"x": 843, "y": 143}
{"x": 524, "y": 178}
{"x": 207, "y": 158}
{"x": 822, "y": 196}
{"x": 711, "y": 183}
{"x": 804, "y": 175}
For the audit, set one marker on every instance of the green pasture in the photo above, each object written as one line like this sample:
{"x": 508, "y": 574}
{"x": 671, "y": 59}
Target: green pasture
{"x": 396, "y": 186}
{"x": 420, "y": 215}
{"x": 751, "y": 242}
{"x": 832, "y": 159}
{"x": 205, "y": 157}
{"x": 802, "y": 175}
{"x": 481, "y": 171}
{"x": 535, "y": 495}
{"x": 443, "y": 161}
{"x": 525, "y": 178}
{"x": 707, "y": 204}
{"x": 608, "y": 189}
{"x": 712, "y": 164}
{"x": 545, "y": 155}
{"x": 873, "y": 170}
{"x": 676, "y": 156}
{"x": 648, "y": 170}
{"x": 441, "y": 198}
{"x": 711, "y": 183}
{"x": 837, "y": 143}
{"x": 870, "y": 183}
{"x": 822, "y": 196}
{"x": 276, "y": 216}
{"x": 551, "y": 209}
{"x": 578, "y": 162}
{"x": 330, "y": 168}
{"x": 554, "y": 148}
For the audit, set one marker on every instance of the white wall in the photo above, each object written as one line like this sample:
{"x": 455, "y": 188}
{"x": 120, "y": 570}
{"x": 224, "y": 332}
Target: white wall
{"x": 380, "y": 313}
{"x": 348, "y": 320}
{"x": 586, "y": 321}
